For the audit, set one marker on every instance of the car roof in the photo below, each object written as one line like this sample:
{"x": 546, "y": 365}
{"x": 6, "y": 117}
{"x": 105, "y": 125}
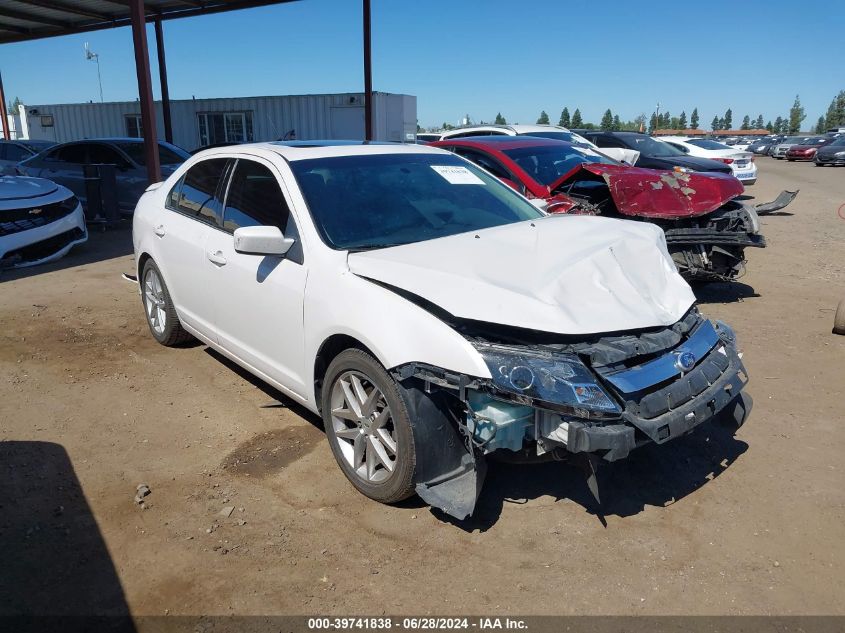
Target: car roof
{"x": 303, "y": 150}
{"x": 504, "y": 142}
{"x": 516, "y": 127}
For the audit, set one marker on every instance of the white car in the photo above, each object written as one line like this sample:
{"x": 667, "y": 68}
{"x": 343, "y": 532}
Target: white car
{"x": 430, "y": 314}
{"x": 40, "y": 221}
{"x": 556, "y": 132}
{"x": 741, "y": 162}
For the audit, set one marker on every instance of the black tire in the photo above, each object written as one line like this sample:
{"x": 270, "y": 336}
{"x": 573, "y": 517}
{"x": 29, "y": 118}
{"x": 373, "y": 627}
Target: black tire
{"x": 398, "y": 484}
{"x": 172, "y": 333}
{"x": 839, "y": 319}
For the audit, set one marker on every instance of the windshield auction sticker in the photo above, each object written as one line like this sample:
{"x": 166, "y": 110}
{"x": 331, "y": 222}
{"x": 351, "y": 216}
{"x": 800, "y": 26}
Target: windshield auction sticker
{"x": 457, "y": 175}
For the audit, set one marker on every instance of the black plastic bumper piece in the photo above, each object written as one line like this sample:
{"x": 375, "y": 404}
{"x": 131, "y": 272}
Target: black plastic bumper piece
{"x": 617, "y": 439}
{"x": 706, "y": 405}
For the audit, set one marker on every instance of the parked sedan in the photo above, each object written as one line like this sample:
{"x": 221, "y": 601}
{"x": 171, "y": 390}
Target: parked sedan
{"x": 653, "y": 153}
{"x": 429, "y": 313}
{"x": 13, "y": 152}
{"x": 763, "y": 146}
{"x": 779, "y": 151}
{"x": 706, "y": 230}
{"x": 806, "y": 149}
{"x": 40, "y": 221}
{"x": 742, "y": 163}
{"x": 832, "y": 154}
{"x": 63, "y": 164}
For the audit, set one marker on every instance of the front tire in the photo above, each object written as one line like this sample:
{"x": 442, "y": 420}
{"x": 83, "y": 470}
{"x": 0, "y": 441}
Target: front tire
{"x": 368, "y": 427}
{"x": 158, "y": 308}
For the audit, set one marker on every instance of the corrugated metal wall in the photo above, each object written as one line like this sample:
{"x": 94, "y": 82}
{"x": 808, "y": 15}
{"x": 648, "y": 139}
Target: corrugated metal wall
{"x": 312, "y": 116}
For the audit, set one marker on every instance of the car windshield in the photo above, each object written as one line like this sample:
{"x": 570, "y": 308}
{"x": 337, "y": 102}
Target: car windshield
{"x": 167, "y": 155}
{"x": 647, "y": 146}
{"x": 376, "y": 201}
{"x": 817, "y": 140}
{"x": 548, "y": 164}
{"x": 704, "y": 143}
{"x": 839, "y": 142}
{"x": 793, "y": 139}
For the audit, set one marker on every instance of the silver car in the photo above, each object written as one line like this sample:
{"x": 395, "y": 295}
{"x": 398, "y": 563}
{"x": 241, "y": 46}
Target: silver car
{"x": 63, "y": 164}
{"x": 782, "y": 148}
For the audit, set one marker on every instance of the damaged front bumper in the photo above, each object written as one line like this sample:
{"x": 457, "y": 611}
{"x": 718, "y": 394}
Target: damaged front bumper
{"x": 649, "y": 387}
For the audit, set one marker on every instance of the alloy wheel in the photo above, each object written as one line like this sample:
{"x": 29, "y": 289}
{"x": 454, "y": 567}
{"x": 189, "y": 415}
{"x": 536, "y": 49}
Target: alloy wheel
{"x": 154, "y": 301}
{"x": 363, "y": 425}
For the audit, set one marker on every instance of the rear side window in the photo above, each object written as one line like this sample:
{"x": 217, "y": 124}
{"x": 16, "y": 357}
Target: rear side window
{"x": 76, "y": 154}
{"x": 16, "y": 153}
{"x": 196, "y": 194}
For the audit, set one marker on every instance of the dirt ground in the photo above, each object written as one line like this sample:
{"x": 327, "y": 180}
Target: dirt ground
{"x": 714, "y": 523}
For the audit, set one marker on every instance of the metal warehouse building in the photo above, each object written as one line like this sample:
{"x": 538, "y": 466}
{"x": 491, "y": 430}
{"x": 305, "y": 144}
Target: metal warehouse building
{"x": 199, "y": 122}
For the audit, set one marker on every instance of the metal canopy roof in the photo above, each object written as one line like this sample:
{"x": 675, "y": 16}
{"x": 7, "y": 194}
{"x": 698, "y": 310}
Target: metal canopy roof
{"x": 22, "y": 20}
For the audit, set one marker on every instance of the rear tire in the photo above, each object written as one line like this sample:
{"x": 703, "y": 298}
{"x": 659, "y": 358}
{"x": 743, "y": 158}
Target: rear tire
{"x": 158, "y": 308}
{"x": 368, "y": 427}
{"x": 839, "y": 319}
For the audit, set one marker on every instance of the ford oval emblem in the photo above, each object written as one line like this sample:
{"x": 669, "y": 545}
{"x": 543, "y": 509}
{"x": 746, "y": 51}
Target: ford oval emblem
{"x": 684, "y": 361}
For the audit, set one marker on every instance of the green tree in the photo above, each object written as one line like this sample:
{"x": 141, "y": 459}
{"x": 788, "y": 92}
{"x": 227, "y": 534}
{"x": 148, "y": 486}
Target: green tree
{"x": 746, "y": 123}
{"x": 770, "y": 127}
{"x": 722, "y": 125}
{"x": 652, "y": 123}
{"x": 820, "y": 126}
{"x": 759, "y": 122}
{"x": 577, "y": 122}
{"x": 617, "y": 124}
{"x": 639, "y": 123}
{"x": 543, "y": 119}
{"x": 667, "y": 119}
{"x": 607, "y": 120}
{"x": 779, "y": 125}
{"x": 796, "y": 116}
{"x": 728, "y": 120}
{"x": 13, "y": 105}
{"x": 693, "y": 121}
{"x": 835, "y": 116}
{"x": 715, "y": 125}
{"x": 565, "y": 121}
{"x": 682, "y": 121}
{"x": 500, "y": 120}
{"x": 675, "y": 123}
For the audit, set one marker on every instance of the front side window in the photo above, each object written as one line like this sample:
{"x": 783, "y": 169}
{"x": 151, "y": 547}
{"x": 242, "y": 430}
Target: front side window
{"x": 75, "y": 154}
{"x": 380, "y": 200}
{"x": 105, "y": 155}
{"x": 12, "y": 152}
{"x": 254, "y": 198}
{"x": 196, "y": 193}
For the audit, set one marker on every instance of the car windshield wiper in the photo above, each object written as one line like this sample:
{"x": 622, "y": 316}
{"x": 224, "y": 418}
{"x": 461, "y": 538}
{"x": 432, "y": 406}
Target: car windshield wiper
{"x": 372, "y": 247}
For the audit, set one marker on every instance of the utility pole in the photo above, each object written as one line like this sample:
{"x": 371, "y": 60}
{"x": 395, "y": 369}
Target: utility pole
{"x": 89, "y": 55}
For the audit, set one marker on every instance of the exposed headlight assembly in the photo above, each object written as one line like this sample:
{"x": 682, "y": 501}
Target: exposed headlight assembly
{"x": 557, "y": 381}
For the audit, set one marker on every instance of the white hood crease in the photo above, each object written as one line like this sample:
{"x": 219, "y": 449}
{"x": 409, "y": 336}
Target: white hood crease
{"x": 560, "y": 274}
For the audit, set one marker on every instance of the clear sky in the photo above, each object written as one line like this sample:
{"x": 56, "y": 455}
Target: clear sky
{"x": 478, "y": 57}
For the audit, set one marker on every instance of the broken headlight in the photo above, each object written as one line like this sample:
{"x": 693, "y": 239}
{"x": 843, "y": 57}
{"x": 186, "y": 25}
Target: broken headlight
{"x": 560, "y": 381}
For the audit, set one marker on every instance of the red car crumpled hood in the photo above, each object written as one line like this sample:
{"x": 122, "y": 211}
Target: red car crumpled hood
{"x": 653, "y": 193}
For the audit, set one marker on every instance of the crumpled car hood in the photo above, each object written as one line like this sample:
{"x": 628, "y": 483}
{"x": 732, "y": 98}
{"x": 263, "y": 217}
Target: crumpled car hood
{"x": 561, "y": 274}
{"x": 652, "y": 193}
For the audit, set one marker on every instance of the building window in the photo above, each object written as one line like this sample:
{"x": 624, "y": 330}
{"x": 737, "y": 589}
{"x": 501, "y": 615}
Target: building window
{"x": 134, "y": 129}
{"x": 225, "y": 127}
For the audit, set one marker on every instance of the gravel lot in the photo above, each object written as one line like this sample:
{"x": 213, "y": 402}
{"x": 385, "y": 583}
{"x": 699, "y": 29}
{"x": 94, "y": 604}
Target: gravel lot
{"x": 91, "y": 406}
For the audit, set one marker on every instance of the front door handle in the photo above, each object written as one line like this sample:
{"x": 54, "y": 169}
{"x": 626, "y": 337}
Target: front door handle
{"x": 159, "y": 230}
{"x": 216, "y": 258}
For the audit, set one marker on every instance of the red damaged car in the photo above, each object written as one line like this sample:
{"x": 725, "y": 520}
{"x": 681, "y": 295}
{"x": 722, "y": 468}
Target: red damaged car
{"x": 806, "y": 150}
{"x": 707, "y": 229}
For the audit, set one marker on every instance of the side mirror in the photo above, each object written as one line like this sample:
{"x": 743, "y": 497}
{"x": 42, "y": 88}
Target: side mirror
{"x": 540, "y": 203}
{"x": 261, "y": 240}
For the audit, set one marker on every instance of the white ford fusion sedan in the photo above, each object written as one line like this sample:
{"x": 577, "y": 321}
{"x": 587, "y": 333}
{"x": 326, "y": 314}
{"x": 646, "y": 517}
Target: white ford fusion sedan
{"x": 430, "y": 314}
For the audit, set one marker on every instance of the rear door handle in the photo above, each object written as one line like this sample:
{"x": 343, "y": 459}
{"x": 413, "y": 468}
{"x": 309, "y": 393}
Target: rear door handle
{"x": 159, "y": 230}
{"x": 216, "y": 258}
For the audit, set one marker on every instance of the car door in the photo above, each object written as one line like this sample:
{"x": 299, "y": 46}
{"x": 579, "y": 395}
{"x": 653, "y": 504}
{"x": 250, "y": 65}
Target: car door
{"x": 131, "y": 179}
{"x": 192, "y": 213}
{"x": 259, "y": 307}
